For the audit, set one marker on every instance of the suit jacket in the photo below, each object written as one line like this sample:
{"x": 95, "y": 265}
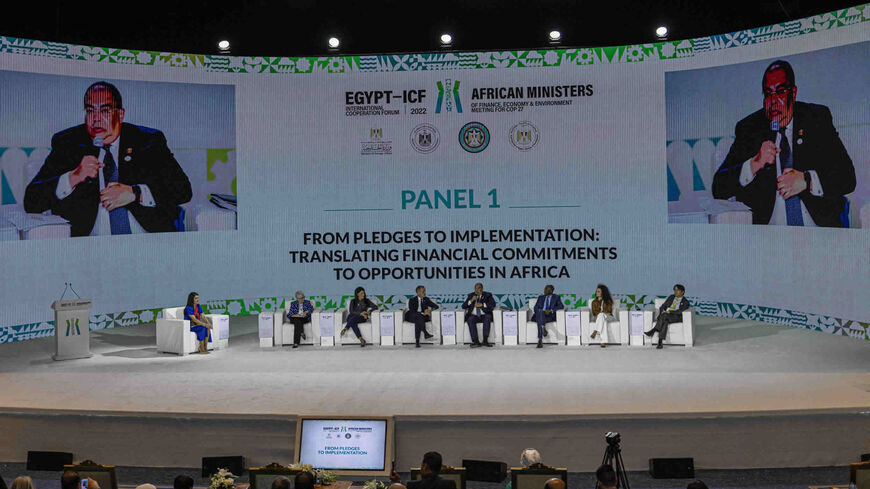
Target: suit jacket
{"x": 150, "y": 163}
{"x": 427, "y": 304}
{"x": 432, "y": 482}
{"x": 487, "y": 300}
{"x": 684, "y": 304}
{"x": 816, "y": 146}
{"x": 555, "y": 303}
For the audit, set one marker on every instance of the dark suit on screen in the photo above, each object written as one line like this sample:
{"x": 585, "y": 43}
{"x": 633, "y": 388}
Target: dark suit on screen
{"x": 815, "y": 146}
{"x": 145, "y": 159}
{"x": 432, "y": 481}
{"x": 485, "y": 317}
{"x": 418, "y": 318}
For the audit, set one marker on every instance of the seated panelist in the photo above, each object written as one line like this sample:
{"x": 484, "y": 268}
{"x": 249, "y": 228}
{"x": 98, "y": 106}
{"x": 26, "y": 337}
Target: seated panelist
{"x": 299, "y": 314}
{"x": 360, "y": 311}
{"x": 478, "y": 309}
{"x": 199, "y": 324}
{"x": 545, "y": 311}
{"x": 419, "y": 312}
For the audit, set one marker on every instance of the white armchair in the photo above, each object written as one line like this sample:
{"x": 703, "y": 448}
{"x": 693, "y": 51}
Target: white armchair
{"x": 495, "y": 333}
{"x": 405, "y": 333}
{"x": 174, "y": 334}
{"x": 617, "y": 330}
{"x": 527, "y": 328}
{"x": 283, "y": 330}
{"x": 370, "y": 330}
{"x": 678, "y": 333}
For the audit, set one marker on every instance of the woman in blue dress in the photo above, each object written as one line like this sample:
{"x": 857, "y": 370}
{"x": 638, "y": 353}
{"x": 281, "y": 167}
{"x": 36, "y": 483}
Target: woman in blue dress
{"x": 199, "y": 324}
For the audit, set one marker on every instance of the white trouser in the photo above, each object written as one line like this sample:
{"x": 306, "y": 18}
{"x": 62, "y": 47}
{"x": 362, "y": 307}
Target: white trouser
{"x": 601, "y": 321}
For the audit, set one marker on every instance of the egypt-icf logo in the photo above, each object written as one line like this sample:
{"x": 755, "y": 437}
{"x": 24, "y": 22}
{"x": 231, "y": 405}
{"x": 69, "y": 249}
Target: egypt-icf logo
{"x": 72, "y": 327}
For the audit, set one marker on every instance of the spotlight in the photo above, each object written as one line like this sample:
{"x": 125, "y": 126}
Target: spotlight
{"x": 446, "y": 39}
{"x": 555, "y": 36}
{"x": 662, "y": 32}
{"x": 223, "y": 46}
{"x": 333, "y": 42}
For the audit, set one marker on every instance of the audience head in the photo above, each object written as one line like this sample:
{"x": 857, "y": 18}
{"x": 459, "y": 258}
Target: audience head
{"x": 606, "y": 477}
{"x": 554, "y": 483}
{"x": 22, "y": 482}
{"x": 431, "y": 463}
{"x": 679, "y": 290}
{"x": 183, "y": 482}
{"x": 697, "y": 484}
{"x": 92, "y": 484}
{"x": 304, "y": 480}
{"x": 397, "y": 485}
{"x": 530, "y": 456}
{"x": 281, "y": 483}
{"x": 145, "y": 486}
{"x": 70, "y": 480}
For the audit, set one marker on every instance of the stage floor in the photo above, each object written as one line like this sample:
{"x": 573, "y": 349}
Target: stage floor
{"x": 737, "y": 366}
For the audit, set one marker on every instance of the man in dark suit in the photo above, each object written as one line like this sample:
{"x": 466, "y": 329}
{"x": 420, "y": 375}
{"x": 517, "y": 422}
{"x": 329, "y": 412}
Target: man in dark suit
{"x": 419, "y": 312}
{"x": 671, "y": 311}
{"x": 429, "y": 478}
{"x": 545, "y": 311}
{"x": 132, "y": 183}
{"x": 478, "y": 309}
{"x": 787, "y": 162}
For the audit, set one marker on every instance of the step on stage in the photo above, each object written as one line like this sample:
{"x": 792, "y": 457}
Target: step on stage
{"x": 749, "y": 394}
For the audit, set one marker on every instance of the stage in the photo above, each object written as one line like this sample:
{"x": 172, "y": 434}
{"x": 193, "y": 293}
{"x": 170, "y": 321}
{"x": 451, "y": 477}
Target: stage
{"x": 792, "y": 396}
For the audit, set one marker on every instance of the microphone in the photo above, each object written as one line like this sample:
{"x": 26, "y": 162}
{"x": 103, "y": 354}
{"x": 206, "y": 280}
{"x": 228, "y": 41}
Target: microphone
{"x": 98, "y": 142}
{"x": 774, "y": 128}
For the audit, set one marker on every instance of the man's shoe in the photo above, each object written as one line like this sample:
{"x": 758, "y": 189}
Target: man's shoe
{"x": 594, "y": 334}
{"x": 295, "y": 345}
{"x": 303, "y": 336}
{"x": 416, "y": 345}
{"x": 650, "y": 333}
{"x": 603, "y": 345}
{"x": 659, "y": 347}
{"x": 343, "y": 331}
{"x": 427, "y": 335}
{"x": 544, "y": 331}
{"x": 475, "y": 345}
{"x": 487, "y": 344}
{"x": 540, "y": 344}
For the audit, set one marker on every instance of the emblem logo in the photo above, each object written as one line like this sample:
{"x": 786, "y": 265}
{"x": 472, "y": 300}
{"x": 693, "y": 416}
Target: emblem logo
{"x": 474, "y": 137}
{"x": 425, "y": 138}
{"x": 524, "y": 136}
{"x": 448, "y": 97}
{"x": 376, "y": 144}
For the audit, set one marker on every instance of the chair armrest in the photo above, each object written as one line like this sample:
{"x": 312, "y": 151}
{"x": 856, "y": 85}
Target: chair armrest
{"x": 689, "y": 326}
{"x": 278, "y": 326}
{"x": 624, "y": 330}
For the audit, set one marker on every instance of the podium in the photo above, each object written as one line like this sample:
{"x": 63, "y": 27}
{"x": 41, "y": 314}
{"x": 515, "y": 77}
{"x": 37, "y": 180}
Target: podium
{"x": 72, "y": 332}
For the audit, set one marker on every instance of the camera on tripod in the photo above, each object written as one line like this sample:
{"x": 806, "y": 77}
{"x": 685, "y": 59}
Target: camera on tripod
{"x": 612, "y": 438}
{"x": 613, "y": 458}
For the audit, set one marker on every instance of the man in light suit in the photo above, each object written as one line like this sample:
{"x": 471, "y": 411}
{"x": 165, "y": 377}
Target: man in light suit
{"x": 545, "y": 311}
{"x": 419, "y": 312}
{"x": 670, "y": 312}
{"x": 478, "y": 309}
{"x": 137, "y": 187}
{"x": 787, "y": 162}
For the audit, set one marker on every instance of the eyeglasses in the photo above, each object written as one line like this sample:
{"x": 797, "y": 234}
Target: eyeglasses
{"x": 780, "y": 92}
{"x": 103, "y": 111}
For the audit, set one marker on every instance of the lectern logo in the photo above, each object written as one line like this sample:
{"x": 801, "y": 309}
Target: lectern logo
{"x": 72, "y": 327}
{"x": 448, "y": 97}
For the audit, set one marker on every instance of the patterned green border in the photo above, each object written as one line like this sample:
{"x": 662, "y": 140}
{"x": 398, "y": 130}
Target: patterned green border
{"x": 240, "y": 307}
{"x": 536, "y": 58}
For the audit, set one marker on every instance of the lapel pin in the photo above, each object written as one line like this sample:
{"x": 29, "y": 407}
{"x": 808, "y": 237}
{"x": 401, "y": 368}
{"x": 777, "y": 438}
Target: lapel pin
{"x": 128, "y": 158}
{"x": 799, "y": 141}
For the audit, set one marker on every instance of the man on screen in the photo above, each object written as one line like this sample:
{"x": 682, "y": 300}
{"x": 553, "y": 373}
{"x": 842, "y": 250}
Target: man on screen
{"x": 131, "y": 183}
{"x": 787, "y": 162}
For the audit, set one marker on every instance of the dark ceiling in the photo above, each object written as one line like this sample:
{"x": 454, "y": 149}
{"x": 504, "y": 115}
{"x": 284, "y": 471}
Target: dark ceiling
{"x": 301, "y": 27}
